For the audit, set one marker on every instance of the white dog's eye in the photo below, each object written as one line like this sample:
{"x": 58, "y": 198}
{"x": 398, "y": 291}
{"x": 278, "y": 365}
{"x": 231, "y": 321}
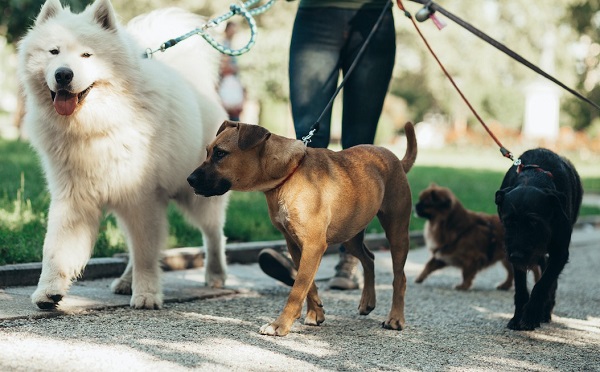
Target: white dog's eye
{"x": 54, "y": 51}
{"x": 86, "y": 55}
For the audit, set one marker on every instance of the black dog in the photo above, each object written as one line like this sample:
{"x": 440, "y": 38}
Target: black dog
{"x": 538, "y": 204}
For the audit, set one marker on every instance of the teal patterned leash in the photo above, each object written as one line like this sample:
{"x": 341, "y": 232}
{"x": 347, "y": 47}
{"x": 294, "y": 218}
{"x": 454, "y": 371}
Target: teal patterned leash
{"x": 241, "y": 9}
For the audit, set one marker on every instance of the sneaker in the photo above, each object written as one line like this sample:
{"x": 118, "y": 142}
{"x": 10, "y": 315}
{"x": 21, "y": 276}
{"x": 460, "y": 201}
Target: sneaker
{"x": 346, "y": 273}
{"x": 277, "y": 265}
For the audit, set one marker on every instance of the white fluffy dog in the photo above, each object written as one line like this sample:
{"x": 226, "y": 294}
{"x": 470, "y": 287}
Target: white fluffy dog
{"x": 121, "y": 133}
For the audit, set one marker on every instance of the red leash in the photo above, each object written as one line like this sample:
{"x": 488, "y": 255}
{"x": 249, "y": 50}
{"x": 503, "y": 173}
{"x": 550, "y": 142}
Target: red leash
{"x": 506, "y": 153}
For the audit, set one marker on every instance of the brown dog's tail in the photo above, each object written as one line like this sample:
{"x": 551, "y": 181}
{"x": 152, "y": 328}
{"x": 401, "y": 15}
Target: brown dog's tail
{"x": 411, "y": 147}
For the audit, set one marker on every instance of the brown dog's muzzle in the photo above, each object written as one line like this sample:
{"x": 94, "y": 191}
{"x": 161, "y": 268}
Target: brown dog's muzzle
{"x": 206, "y": 184}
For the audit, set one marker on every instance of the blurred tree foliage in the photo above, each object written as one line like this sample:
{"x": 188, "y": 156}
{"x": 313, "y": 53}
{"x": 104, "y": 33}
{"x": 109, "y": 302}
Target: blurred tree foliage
{"x": 492, "y": 81}
{"x": 585, "y": 18}
{"x": 16, "y": 16}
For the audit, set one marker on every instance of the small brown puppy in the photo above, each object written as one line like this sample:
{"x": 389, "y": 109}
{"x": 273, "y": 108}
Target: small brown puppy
{"x": 317, "y": 197}
{"x": 459, "y": 237}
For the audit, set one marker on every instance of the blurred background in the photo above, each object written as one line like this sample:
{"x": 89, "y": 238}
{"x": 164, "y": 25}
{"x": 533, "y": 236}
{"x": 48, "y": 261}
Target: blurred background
{"x": 560, "y": 36}
{"x": 523, "y": 109}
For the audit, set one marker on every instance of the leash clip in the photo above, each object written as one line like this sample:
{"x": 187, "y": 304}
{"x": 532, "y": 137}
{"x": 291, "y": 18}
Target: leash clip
{"x": 307, "y": 139}
{"x": 518, "y": 164}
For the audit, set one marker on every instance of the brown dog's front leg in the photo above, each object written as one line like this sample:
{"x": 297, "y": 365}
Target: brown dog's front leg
{"x": 307, "y": 269}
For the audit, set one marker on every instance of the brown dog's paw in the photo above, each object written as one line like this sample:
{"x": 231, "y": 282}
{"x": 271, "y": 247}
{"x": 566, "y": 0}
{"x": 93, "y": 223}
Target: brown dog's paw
{"x": 314, "y": 317}
{"x": 394, "y": 324}
{"x": 273, "y": 329}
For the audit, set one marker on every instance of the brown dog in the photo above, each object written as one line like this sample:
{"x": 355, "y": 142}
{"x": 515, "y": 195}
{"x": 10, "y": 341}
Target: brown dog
{"x": 459, "y": 237}
{"x": 317, "y": 197}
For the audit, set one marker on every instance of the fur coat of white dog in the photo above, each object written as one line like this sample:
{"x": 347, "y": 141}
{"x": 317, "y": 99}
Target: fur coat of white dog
{"x": 120, "y": 133}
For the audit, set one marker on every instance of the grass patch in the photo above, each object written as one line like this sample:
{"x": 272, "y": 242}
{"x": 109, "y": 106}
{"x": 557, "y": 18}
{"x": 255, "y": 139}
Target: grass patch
{"x": 24, "y": 204}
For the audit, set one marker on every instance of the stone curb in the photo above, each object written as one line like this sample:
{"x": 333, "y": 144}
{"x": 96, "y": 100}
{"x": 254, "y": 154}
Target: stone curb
{"x": 18, "y": 275}
{"x": 25, "y": 274}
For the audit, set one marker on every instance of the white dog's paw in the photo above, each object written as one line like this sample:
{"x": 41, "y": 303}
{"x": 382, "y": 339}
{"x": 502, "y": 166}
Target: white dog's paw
{"x": 151, "y": 301}
{"x": 120, "y": 286}
{"x": 47, "y": 298}
{"x": 215, "y": 280}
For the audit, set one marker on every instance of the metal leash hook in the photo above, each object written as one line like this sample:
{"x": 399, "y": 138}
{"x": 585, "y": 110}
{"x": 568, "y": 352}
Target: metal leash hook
{"x": 241, "y": 9}
{"x": 307, "y": 139}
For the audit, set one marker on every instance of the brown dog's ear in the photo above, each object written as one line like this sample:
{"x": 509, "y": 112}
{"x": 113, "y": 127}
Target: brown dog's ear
{"x": 227, "y": 124}
{"x": 251, "y": 135}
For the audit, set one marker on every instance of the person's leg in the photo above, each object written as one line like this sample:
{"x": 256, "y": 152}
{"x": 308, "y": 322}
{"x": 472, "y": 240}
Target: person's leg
{"x": 364, "y": 93}
{"x": 366, "y": 87}
{"x": 278, "y": 265}
{"x": 317, "y": 39}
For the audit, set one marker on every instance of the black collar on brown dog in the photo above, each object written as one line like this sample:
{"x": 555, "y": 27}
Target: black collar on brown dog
{"x": 521, "y": 167}
{"x": 289, "y": 175}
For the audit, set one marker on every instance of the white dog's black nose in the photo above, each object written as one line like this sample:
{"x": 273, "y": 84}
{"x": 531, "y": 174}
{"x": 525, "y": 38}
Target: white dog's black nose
{"x": 63, "y": 76}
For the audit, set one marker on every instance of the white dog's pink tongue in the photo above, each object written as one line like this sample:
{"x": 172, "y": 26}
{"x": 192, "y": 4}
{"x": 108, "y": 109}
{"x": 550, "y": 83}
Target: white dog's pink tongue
{"x": 65, "y": 103}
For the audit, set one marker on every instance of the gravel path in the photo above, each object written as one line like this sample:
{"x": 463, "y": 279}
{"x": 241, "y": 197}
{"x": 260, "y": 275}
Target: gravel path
{"x": 447, "y": 330}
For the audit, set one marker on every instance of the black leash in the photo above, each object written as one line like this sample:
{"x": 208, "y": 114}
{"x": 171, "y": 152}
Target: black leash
{"x": 315, "y": 127}
{"x": 433, "y": 7}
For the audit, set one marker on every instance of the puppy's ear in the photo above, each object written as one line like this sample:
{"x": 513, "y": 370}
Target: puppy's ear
{"x": 227, "y": 124}
{"x": 440, "y": 200}
{"x": 251, "y": 136}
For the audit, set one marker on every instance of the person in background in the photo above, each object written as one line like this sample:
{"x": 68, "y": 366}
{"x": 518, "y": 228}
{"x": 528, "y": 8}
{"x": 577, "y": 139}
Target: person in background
{"x": 230, "y": 87}
{"x": 326, "y": 38}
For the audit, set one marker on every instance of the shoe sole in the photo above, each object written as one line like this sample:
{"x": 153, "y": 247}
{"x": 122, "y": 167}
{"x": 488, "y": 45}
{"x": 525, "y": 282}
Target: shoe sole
{"x": 275, "y": 269}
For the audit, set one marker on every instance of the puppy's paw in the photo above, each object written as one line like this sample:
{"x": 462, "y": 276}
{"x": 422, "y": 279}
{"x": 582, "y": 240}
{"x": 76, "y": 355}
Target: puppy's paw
{"x": 419, "y": 280}
{"x": 151, "y": 301}
{"x": 47, "y": 300}
{"x": 274, "y": 329}
{"x": 314, "y": 317}
{"x": 121, "y": 286}
{"x": 462, "y": 286}
{"x": 504, "y": 286}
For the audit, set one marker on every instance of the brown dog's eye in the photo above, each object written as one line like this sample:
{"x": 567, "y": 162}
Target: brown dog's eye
{"x": 218, "y": 154}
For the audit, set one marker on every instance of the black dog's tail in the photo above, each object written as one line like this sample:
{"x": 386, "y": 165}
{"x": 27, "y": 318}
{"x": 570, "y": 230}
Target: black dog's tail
{"x": 411, "y": 147}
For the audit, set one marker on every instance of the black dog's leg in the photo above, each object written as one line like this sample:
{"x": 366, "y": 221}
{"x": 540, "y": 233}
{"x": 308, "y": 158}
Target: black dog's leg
{"x": 549, "y": 305}
{"x": 542, "y": 294}
{"x": 521, "y": 298}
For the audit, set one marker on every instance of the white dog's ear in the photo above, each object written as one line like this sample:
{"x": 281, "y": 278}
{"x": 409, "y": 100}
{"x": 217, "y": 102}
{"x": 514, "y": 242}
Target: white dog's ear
{"x": 104, "y": 14}
{"x": 49, "y": 10}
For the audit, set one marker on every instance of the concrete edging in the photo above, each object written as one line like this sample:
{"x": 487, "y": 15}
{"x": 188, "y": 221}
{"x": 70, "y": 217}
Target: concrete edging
{"x": 25, "y": 274}
{"x": 18, "y": 275}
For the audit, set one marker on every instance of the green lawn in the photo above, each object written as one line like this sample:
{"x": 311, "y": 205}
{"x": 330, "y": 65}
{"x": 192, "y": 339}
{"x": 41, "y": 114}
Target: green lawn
{"x": 24, "y": 203}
